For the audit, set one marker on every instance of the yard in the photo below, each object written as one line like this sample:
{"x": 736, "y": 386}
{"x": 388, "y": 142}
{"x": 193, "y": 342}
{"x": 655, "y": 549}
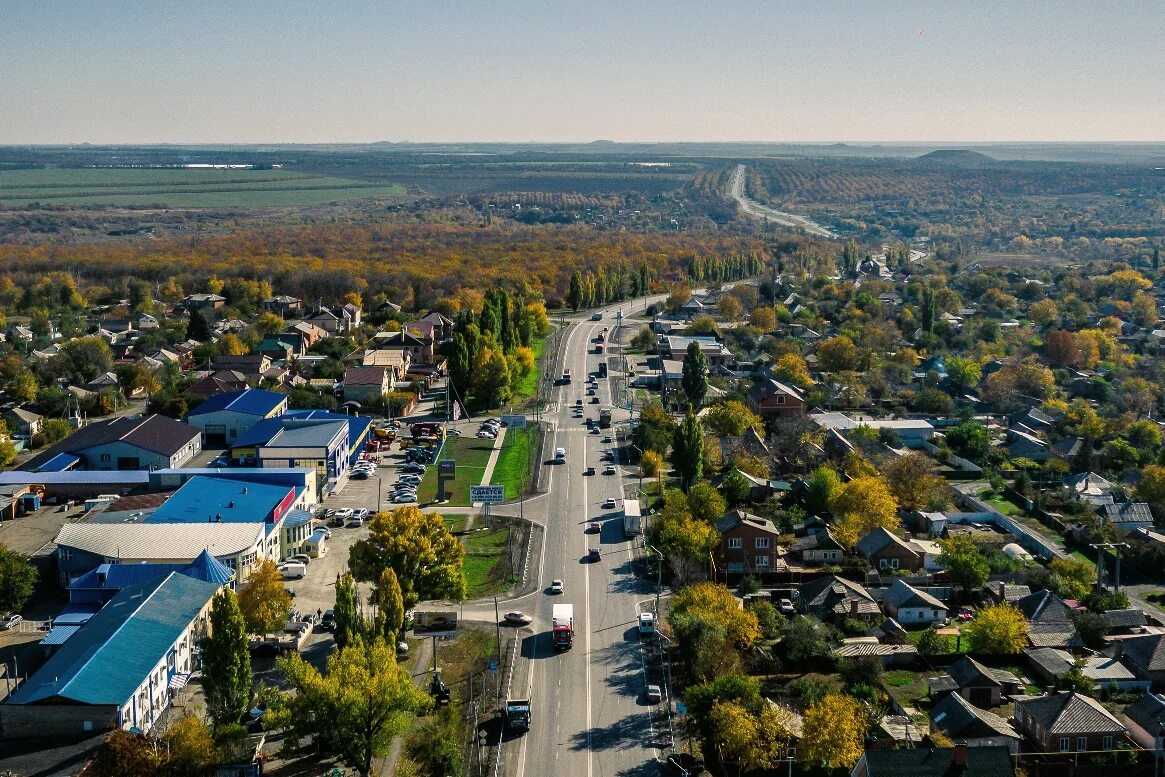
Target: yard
{"x": 999, "y": 502}
{"x": 471, "y": 455}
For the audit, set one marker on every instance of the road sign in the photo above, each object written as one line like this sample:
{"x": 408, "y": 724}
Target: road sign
{"x": 435, "y": 624}
{"x": 447, "y": 468}
{"x": 514, "y": 421}
{"x": 493, "y": 666}
{"x": 490, "y": 495}
{"x": 681, "y": 708}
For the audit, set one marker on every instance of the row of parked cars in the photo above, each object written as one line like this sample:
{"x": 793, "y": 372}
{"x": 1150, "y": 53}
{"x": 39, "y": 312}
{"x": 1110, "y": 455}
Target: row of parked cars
{"x": 489, "y": 429}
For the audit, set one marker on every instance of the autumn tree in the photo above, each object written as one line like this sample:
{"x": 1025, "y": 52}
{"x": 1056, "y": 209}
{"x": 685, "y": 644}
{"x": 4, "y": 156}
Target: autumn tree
{"x": 729, "y": 308}
{"x": 914, "y": 484}
{"x": 678, "y": 297}
{"x": 418, "y": 547}
{"x": 685, "y": 542}
{"x": 964, "y": 373}
{"x": 226, "y": 662}
{"x": 123, "y": 753}
{"x": 18, "y": 578}
{"x": 763, "y": 318}
{"x": 832, "y": 732}
{"x": 714, "y": 604}
{"x": 756, "y": 738}
{"x": 730, "y": 418}
{"x": 263, "y": 600}
{"x": 998, "y": 629}
{"x": 838, "y": 354}
{"x": 1072, "y": 578}
{"x": 650, "y": 463}
{"x": 688, "y": 451}
{"x": 391, "y": 605}
{"x": 791, "y": 368}
{"x": 190, "y": 747}
{"x": 1151, "y": 489}
{"x": 860, "y": 506}
{"x": 706, "y": 503}
{"x": 355, "y": 708}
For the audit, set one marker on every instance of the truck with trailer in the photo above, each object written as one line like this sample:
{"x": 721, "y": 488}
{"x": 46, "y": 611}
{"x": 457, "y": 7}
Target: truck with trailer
{"x": 562, "y": 626}
{"x": 517, "y": 716}
{"x": 632, "y": 518}
{"x": 605, "y": 418}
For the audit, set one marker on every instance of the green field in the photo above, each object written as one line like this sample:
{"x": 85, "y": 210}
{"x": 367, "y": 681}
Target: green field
{"x": 513, "y": 465}
{"x": 485, "y": 554}
{"x": 471, "y": 455}
{"x": 529, "y": 384}
{"x": 182, "y": 188}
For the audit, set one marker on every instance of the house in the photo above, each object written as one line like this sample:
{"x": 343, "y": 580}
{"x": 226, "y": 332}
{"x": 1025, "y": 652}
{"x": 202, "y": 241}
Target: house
{"x": 21, "y": 421}
{"x": 1066, "y": 722}
{"x": 309, "y": 333}
{"x": 124, "y": 443}
{"x": 420, "y": 349}
{"x": 965, "y": 723}
{"x": 1144, "y": 654}
{"x": 332, "y": 322}
{"x": 835, "y": 598}
{"x": 283, "y": 305}
{"x": 433, "y": 325}
{"x": 280, "y": 348}
{"x": 959, "y": 761}
{"x": 1088, "y": 484}
{"x": 748, "y": 543}
{"x": 1144, "y": 721}
{"x": 1022, "y": 445}
{"x": 1126, "y": 516}
{"x": 676, "y": 347}
{"x": 1127, "y": 621}
{"x": 252, "y": 365}
{"x": 1049, "y": 621}
{"x": 885, "y": 550}
{"x": 1052, "y": 664}
{"x": 818, "y": 547}
{"x": 693, "y": 307}
{"x": 771, "y": 398}
{"x": 352, "y": 313}
{"x": 218, "y": 382}
{"x": 397, "y": 360}
{"x": 980, "y": 685}
{"x": 121, "y": 668}
{"x": 362, "y": 382}
{"x": 1067, "y": 448}
{"x": 204, "y": 301}
{"x": 223, "y": 417}
{"x": 911, "y": 431}
{"x": 147, "y": 322}
{"x": 1006, "y": 593}
{"x": 908, "y": 605}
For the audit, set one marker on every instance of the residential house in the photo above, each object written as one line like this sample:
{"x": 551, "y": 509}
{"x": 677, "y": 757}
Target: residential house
{"x": 121, "y": 668}
{"x": 1067, "y": 448}
{"x": 124, "y": 443}
{"x": 310, "y": 333}
{"x": 1023, "y": 445}
{"x": 1144, "y": 721}
{"x": 252, "y": 365}
{"x": 146, "y": 322}
{"x": 748, "y": 543}
{"x": 204, "y": 301}
{"x": 363, "y": 382}
{"x": 908, "y": 605}
{"x": 979, "y": 684}
{"x": 222, "y": 418}
{"x": 1144, "y": 654}
{"x": 420, "y": 349}
{"x": 1049, "y": 621}
{"x": 771, "y": 398}
{"x": 692, "y": 308}
{"x": 1126, "y": 516}
{"x": 280, "y": 348}
{"x": 911, "y": 431}
{"x": 1127, "y": 621}
{"x": 398, "y": 361}
{"x": 1006, "y": 593}
{"x": 965, "y": 723}
{"x": 218, "y": 382}
{"x": 331, "y": 321}
{"x": 835, "y": 598}
{"x": 1052, "y": 664}
{"x": 885, "y": 550}
{"x": 283, "y": 305}
{"x": 959, "y": 761}
{"x": 1067, "y": 722}
{"x": 433, "y": 325}
{"x": 818, "y": 547}
{"x": 21, "y": 421}
{"x": 352, "y": 313}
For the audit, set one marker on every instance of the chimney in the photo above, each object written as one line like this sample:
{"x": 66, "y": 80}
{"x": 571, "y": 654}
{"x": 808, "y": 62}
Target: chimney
{"x": 960, "y": 758}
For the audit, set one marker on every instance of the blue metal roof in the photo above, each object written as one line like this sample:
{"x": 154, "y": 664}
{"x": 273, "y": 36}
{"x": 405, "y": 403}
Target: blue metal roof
{"x": 358, "y": 426}
{"x": 202, "y": 498}
{"x": 59, "y": 463}
{"x": 248, "y": 401}
{"x": 111, "y": 656}
{"x": 207, "y": 567}
{"x": 119, "y": 576}
{"x": 296, "y": 518}
{"x": 59, "y": 635}
{"x": 259, "y": 434}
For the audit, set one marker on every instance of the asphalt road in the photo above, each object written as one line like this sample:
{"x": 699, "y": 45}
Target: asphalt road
{"x": 589, "y": 714}
{"x": 757, "y": 210}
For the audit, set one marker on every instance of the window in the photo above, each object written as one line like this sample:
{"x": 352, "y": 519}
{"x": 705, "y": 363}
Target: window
{"x": 734, "y": 543}
{"x": 66, "y": 554}
{"x": 780, "y": 399}
{"x": 1064, "y": 746}
{"x": 105, "y": 457}
{"x": 1106, "y": 743}
{"x": 762, "y": 542}
{"x": 1081, "y": 743}
{"x": 762, "y": 561}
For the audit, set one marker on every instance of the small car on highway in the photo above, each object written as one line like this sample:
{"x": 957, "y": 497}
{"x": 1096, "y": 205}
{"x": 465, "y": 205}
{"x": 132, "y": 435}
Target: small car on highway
{"x": 556, "y": 586}
{"x": 589, "y": 471}
{"x": 609, "y": 502}
{"x": 517, "y": 618}
{"x": 594, "y": 554}
{"x": 594, "y": 527}
{"x": 609, "y": 469}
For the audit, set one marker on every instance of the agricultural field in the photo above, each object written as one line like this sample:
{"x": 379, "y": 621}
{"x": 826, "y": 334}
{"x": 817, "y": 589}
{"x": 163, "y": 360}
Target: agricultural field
{"x": 183, "y": 188}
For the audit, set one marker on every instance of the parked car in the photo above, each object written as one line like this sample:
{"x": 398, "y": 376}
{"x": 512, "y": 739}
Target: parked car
{"x": 361, "y": 513}
{"x": 360, "y": 474}
{"x": 344, "y": 513}
{"x": 301, "y": 558}
{"x": 453, "y": 432}
{"x": 589, "y": 471}
{"x": 654, "y": 694}
{"x": 355, "y": 523}
{"x": 10, "y": 621}
{"x": 328, "y": 621}
{"x": 594, "y": 554}
{"x": 485, "y": 434}
{"x": 785, "y": 607}
{"x": 404, "y": 499}
{"x": 646, "y": 623}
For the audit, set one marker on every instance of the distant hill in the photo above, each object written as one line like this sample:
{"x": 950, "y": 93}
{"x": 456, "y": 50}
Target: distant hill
{"x": 956, "y": 156}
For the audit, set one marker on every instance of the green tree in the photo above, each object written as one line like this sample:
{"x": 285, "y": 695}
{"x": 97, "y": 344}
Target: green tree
{"x": 969, "y": 439}
{"x": 347, "y": 627}
{"x": 931, "y": 643}
{"x": 823, "y": 483}
{"x": 263, "y": 600}
{"x": 460, "y": 366}
{"x": 807, "y": 641}
{"x": 55, "y": 429}
{"x": 17, "y": 579}
{"x": 226, "y": 662}
{"x": 418, "y": 547}
{"x": 197, "y": 328}
{"x": 391, "y": 605}
{"x": 688, "y": 451}
{"x": 964, "y": 373}
{"x": 737, "y": 488}
{"x": 434, "y": 743}
{"x": 354, "y": 708}
{"x": 706, "y": 503}
{"x": 574, "y": 297}
{"x": 1072, "y": 578}
{"x": 966, "y": 565}
{"x": 730, "y": 418}
{"x": 694, "y": 377}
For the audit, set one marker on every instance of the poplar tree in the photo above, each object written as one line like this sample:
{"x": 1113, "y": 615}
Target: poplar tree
{"x": 226, "y": 662}
{"x": 688, "y": 451}
{"x": 694, "y": 379}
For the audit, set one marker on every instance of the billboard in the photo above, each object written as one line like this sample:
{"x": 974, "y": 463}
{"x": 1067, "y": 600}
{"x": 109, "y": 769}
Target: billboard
{"x": 435, "y": 624}
{"x": 447, "y": 468}
{"x": 490, "y": 495}
{"x": 514, "y": 421}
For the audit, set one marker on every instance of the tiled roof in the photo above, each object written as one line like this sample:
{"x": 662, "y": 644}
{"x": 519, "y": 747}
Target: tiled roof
{"x": 959, "y": 719}
{"x": 111, "y": 655}
{"x": 364, "y": 376}
{"x": 1148, "y": 712}
{"x": 1123, "y": 619}
{"x": 1147, "y": 652}
{"x": 1070, "y": 713}
{"x": 902, "y": 594}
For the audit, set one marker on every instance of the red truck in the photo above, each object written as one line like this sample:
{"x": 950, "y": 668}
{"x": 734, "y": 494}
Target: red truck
{"x": 562, "y": 626}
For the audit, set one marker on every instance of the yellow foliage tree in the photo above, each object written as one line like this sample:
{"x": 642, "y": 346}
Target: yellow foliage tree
{"x": 263, "y": 600}
{"x": 791, "y": 368}
{"x": 832, "y": 732}
{"x": 755, "y": 741}
{"x": 230, "y": 345}
{"x": 715, "y": 604}
{"x": 763, "y": 318}
{"x": 860, "y": 506}
{"x": 999, "y": 629}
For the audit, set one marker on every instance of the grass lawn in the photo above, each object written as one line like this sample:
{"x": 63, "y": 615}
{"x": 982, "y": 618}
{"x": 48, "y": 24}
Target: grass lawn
{"x": 471, "y": 455}
{"x": 915, "y": 636}
{"x": 455, "y": 523}
{"x": 513, "y": 464}
{"x": 529, "y": 385}
{"x": 468, "y": 653}
{"x": 999, "y": 503}
{"x": 484, "y": 562}
{"x": 908, "y": 688}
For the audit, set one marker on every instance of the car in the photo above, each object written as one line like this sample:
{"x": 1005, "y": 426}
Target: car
{"x": 556, "y": 586}
{"x": 594, "y": 554}
{"x": 560, "y": 454}
{"x": 606, "y": 456}
{"x": 360, "y": 474}
{"x": 595, "y": 430}
{"x": 517, "y": 618}
{"x": 402, "y": 649}
{"x": 966, "y": 615}
{"x": 355, "y": 523}
{"x": 594, "y": 400}
{"x": 453, "y": 432}
{"x": 300, "y": 558}
{"x": 290, "y": 592}
{"x": 609, "y": 469}
{"x": 608, "y": 438}
{"x": 344, "y": 513}
{"x": 328, "y": 621}
{"x": 404, "y": 499}
{"x": 409, "y": 477}
{"x": 785, "y": 607}
{"x": 361, "y": 513}
{"x": 325, "y": 531}
{"x": 594, "y": 527}
{"x": 646, "y": 623}
{"x": 654, "y": 694}
{"x": 485, "y": 435}
{"x": 10, "y": 622}
{"x": 589, "y": 471}
{"x": 417, "y": 469}
{"x": 609, "y": 502}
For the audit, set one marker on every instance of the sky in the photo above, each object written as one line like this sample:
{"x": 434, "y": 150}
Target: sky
{"x": 237, "y": 71}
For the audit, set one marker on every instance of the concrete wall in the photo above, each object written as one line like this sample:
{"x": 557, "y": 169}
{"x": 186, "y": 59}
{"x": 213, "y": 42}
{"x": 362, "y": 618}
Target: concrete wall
{"x": 35, "y": 721}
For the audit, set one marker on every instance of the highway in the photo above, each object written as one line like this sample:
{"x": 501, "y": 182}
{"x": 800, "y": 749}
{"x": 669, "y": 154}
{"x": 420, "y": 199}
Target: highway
{"x": 757, "y": 210}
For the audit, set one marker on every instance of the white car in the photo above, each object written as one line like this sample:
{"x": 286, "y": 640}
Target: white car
{"x": 10, "y": 622}
{"x": 556, "y": 586}
{"x": 344, "y": 513}
{"x": 646, "y": 623}
{"x": 361, "y": 513}
{"x": 609, "y": 470}
{"x": 654, "y": 694}
{"x": 486, "y": 435}
{"x": 609, "y": 502}
{"x": 560, "y": 455}
{"x": 453, "y": 432}
{"x": 401, "y": 499}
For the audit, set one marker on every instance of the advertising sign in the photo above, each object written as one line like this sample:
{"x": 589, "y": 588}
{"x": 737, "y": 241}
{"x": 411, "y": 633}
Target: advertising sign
{"x": 490, "y": 495}
{"x": 514, "y": 421}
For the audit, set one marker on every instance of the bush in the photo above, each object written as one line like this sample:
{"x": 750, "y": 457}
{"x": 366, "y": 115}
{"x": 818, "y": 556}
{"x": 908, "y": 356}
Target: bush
{"x": 772, "y": 623}
{"x": 809, "y": 690}
{"x": 931, "y": 643}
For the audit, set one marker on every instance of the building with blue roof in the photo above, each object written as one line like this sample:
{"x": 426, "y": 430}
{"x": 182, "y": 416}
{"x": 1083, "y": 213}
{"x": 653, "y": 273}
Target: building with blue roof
{"x": 121, "y": 668}
{"x": 320, "y": 443}
{"x": 222, "y": 418}
{"x": 359, "y": 427}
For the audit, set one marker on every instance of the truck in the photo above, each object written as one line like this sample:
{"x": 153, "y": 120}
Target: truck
{"x": 562, "y": 626}
{"x": 632, "y": 518}
{"x": 605, "y": 418}
{"x": 517, "y": 715}
{"x": 566, "y": 376}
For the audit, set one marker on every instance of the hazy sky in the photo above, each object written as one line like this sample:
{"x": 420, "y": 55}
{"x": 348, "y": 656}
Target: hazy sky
{"x": 634, "y": 70}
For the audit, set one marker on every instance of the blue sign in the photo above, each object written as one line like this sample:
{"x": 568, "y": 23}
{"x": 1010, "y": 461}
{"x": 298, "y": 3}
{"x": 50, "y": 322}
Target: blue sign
{"x": 493, "y": 666}
{"x": 681, "y": 708}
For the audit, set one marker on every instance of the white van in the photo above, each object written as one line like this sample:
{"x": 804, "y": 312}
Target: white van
{"x": 560, "y": 455}
{"x": 293, "y": 570}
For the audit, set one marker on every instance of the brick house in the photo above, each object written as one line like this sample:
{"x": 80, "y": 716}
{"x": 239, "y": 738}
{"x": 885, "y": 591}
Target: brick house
{"x": 748, "y": 543}
{"x": 773, "y": 398}
{"x": 1068, "y": 722}
{"x": 887, "y": 551}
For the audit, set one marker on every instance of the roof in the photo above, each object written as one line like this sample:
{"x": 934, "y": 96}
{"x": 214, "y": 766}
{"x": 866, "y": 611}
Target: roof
{"x": 1147, "y": 652}
{"x": 308, "y": 434}
{"x": 112, "y": 654}
{"x": 841, "y": 421}
{"x": 1088, "y": 482}
{"x": 1057, "y": 663}
{"x": 735, "y": 518}
{"x": 968, "y": 672}
{"x": 1124, "y": 619}
{"x": 1053, "y": 634}
{"x": 24, "y": 415}
{"x": 1044, "y": 606}
{"x": 768, "y": 387}
{"x": 881, "y": 538}
{"x": 248, "y": 401}
{"x": 72, "y": 477}
{"x": 1070, "y": 713}
{"x": 858, "y": 649}
{"x": 822, "y": 539}
{"x": 365, "y": 376}
{"x": 357, "y": 425}
{"x": 118, "y": 576}
{"x": 60, "y": 463}
{"x": 160, "y": 540}
{"x": 154, "y": 433}
{"x": 1127, "y": 512}
{"x": 901, "y": 594}
{"x": 959, "y": 719}
{"x": 228, "y": 501}
{"x": 1148, "y": 712}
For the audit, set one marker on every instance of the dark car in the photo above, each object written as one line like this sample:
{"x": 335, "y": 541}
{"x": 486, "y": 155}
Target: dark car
{"x": 328, "y": 622}
{"x": 594, "y": 555}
